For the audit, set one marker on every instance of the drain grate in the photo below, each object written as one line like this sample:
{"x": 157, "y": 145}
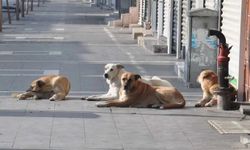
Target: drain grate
{"x": 224, "y": 127}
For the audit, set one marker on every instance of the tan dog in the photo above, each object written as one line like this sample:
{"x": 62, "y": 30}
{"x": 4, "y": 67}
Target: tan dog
{"x": 52, "y": 87}
{"x": 209, "y": 85}
{"x": 135, "y": 93}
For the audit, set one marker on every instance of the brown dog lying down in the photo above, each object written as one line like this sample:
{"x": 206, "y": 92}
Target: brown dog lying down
{"x": 135, "y": 93}
{"x": 52, "y": 87}
{"x": 209, "y": 84}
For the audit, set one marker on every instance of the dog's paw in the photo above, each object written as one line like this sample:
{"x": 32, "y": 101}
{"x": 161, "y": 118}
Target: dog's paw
{"x": 92, "y": 99}
{"x": 156, "y": 106}
{"x": 37, "y": 97}
{"x": 84, "y": 98}
{"x": 53, "y": 98}
{"x": 101, "y": 104}
{"x": 21, "y": 97}
{"x": 56, "y": 98}
{"x": 210, "y": 104}
{"x": 198, "y": 105}
{"x": 87, "y": 97}
{"x": 162, "y": 107}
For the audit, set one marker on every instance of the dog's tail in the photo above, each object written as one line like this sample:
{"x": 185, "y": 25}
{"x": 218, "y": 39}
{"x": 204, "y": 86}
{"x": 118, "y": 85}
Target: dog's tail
{"x": 160, "y": 82}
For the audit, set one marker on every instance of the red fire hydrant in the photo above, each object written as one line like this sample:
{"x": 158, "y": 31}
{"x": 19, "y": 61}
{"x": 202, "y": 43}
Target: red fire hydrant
{"x": 226, "y": 100}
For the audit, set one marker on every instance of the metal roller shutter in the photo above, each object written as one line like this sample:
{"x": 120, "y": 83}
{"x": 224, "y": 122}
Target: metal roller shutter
{"x": 154, "y": 15}
{"x": 167, "y": 23}
{"x": 145, "y": 10}
{"x": 165, "y": 17}
{"x": 193, "y": 4}
{"x": 160, "y": 18}
{"x": 211, "y": 4}
{"x": 141, "y": 11}
{"x": 174, "y": 25}
{"x": 179, "y": 52}
{"x": 184, "y": 23}
{"x": 230, "y": 26}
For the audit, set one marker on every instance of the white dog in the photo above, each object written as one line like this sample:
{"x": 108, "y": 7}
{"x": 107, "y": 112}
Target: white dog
{"x": 113, "y": 73}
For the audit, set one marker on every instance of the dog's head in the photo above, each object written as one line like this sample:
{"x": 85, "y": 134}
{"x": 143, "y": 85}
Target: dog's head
{"x": 129, "y": 81}
{"x": 207, "y": 75}
{"x": 36, "y": 86}
{"x": 112, "y": 70}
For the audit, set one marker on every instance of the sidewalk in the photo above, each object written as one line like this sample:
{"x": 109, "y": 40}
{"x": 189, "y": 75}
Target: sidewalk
{"x": 68, "y": 37}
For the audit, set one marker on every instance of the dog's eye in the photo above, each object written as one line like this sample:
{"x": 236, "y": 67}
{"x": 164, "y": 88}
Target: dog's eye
{"x": 111, "y": 69}
{"x": 123, "y": 79}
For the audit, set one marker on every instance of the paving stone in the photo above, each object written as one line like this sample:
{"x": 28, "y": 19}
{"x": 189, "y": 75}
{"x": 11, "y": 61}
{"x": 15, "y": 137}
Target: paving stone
{"x": 35, "y": 132}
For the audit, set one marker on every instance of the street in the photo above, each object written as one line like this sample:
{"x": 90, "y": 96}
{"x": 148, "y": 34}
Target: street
{"x": 73, "y": 41}
{"x": 70, "y": 38}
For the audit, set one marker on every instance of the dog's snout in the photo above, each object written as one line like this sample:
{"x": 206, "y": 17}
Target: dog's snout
{"x": 126, "y": 88}
{"x": 127, "y": 85}
{"x": 29, "y": 89}
{"x": 106, "y": 76}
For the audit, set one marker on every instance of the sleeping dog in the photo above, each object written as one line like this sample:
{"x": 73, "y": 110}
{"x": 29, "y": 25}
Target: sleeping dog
{"x": 52, "y": 87}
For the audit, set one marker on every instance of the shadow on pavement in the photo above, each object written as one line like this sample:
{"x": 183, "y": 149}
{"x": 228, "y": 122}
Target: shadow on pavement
{"x": 41, "y": 113}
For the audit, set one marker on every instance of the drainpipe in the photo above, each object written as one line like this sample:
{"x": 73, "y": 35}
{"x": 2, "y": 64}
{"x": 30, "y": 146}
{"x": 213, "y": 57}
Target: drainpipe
{"x": 8, "y": 11}
{"x": 225, "y": 96}
{"x": 17, "y": 10}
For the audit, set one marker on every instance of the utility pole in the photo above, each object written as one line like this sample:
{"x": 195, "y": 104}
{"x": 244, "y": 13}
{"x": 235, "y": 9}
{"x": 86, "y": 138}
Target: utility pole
{"x": 1, "y": 16}
{"x": 17, "y": 10}
{"x": 31, "y": 7}
{"x": 8, "y": 11}
{"x": 22, "y": 7}
{"x": 27, "y": 7}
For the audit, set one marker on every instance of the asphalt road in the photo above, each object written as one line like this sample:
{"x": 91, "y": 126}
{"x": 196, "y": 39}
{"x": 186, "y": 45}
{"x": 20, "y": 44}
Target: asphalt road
{"x": 72, "y": 38}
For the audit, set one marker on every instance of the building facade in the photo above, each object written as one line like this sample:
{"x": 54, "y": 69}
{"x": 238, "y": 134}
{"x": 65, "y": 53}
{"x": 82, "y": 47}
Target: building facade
{"x": 171, "y": 21}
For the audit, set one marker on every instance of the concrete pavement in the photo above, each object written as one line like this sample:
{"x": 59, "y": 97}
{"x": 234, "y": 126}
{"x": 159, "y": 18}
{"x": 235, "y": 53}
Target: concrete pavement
{"x": 69, "y": 37}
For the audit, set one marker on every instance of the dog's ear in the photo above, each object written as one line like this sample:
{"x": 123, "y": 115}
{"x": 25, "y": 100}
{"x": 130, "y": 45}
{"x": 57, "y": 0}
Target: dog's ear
{"x": 206, "y": 76}
{"x": 40, "y": 83}
{"x": 210, "y": 75}
{"x": 119, "y": 66}
{"x": 137, "y": 76}
{"x": 200, "y": 78}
